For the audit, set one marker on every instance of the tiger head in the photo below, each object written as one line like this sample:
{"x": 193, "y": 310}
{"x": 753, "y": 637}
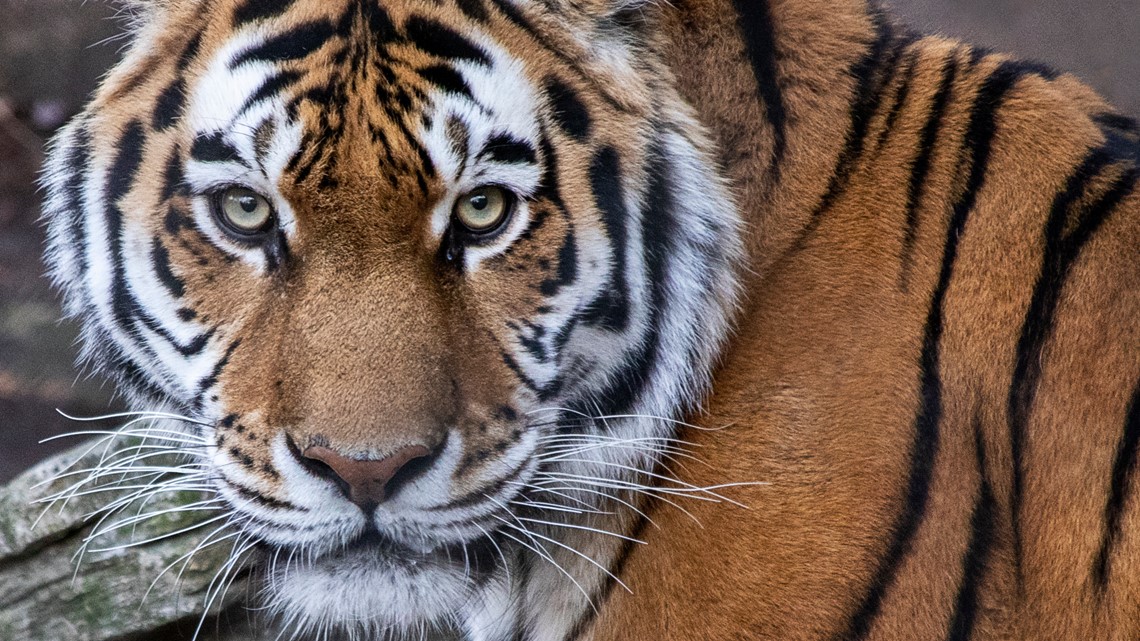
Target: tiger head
{"x": 395, "y": 263}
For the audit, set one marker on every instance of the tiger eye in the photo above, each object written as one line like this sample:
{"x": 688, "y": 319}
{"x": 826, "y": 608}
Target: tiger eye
{"x": 244, "y": 210}
{"x": 483, "y": 209}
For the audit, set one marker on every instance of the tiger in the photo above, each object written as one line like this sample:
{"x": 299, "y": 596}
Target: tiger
{"x": 600, "y": 320}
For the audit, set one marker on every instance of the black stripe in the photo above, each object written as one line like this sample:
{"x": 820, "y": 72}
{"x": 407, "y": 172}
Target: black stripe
{"x": 169, "y": 105}
{"x": 127, "y": 309}
{"x": 75, "y": 165}
{"x": 474, "y": 9}
{"x": 1061, "y": 252}
{"x": 979, "y": 141}
{"x": 263, "y": 136}
{"x": 447, "y": 79}
{"x": 567, "y": 109}
{"x": 901, "y": 95}
{"x": 193, "y": 348}
{"x": 1120, "y": 141}
{"x": 206, "y": 383}
{"x": 873, "y": 76}
{"x": 1123, "y": 469}
{"x": 1032, "y": 68}
{"x": 523, "y": 629}
{"x": 507, "y": 149}
{"x": 160, "y": 257}
{"x": 120, "y": 179}
{"x": 435, "y": 39}
{"x": 176, "y": 220}
{"x": 611, "y": 308}
{"x": 128, "y": 374}
{"x": 977, "y": 555}
{"x": 511, "y": 364}
{"x": 379, "y": 21}
{"x": 531, "y": 340}
{"x": 547, "y": 190}
{"x": 189, "y": 52}
{"x": 920, "y": 168}
{"x": 660, "y": 229}
{"x": 511, "y": 12}
{"x": 173, "y": 180}
{"x": 482, "y": 493}
{"x": 254, "y": 496}
{"x": 259, "y": 10}
{"x": 754, "y": 20}
{"x": 272, "y": 86}
{"x": 214, "y": 147}
{"x": 294, "y": 44}
{"x": 567, "y": 266}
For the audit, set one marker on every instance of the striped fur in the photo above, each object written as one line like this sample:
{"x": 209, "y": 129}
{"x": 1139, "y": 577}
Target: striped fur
{"x": 927, "y": 253}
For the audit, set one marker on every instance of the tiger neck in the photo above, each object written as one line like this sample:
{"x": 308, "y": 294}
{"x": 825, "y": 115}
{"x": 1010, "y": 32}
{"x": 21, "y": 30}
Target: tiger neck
{"x": 777, "y": 83}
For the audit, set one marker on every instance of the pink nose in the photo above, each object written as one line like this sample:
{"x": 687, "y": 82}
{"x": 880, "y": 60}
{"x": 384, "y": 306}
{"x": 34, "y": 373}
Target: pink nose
{"x": 367, "y": 482}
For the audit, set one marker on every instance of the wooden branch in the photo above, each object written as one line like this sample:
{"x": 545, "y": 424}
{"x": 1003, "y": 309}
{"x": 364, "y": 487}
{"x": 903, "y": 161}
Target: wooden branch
{"x": 48, "y": 594}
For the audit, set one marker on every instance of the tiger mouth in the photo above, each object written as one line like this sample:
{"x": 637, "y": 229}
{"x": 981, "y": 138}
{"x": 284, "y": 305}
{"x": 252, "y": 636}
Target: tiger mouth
{"x": 373, "y": 545}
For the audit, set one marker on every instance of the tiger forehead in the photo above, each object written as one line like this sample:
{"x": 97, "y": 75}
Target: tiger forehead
{"x": 361, "y": 70}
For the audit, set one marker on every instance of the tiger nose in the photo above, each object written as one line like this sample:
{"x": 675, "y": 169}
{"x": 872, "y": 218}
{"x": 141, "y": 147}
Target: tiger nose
{"x": 367, "y": 482}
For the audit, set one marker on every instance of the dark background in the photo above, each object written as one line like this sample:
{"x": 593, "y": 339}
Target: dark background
{"x": 53, "y": 51}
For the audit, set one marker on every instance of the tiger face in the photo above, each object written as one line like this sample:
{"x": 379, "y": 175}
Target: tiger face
{"x": 384, "y": 256}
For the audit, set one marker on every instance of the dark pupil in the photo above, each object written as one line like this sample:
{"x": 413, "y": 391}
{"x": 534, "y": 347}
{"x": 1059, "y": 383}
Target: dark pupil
{"x": 248, "y": 204}
{"x": 479, "y": 202}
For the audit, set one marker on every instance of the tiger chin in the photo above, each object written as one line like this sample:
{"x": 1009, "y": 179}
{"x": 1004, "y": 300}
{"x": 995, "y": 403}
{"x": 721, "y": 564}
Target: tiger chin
{"x": 569, "y": 321}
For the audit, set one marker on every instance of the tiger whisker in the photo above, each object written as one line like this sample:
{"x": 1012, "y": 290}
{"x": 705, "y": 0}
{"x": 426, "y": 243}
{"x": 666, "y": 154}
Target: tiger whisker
{"x": 584, "y": 504}
{"x": 489, "y": 537}
{"x": 542, "y": 553}
{"x": 637, "y": 489}
{"x": 561, "y": 453}
{"x": 684, "y": 487}
{"x": 604, "y": 495}
{"x": 200, "y": 506}
{"x": 140, "y": 414}
{"x": 582, "y": 527}
{"x": 587, "y": 437}
{"x": 189, "y": 528}
{"x": 246, "y": 543}
{"x": 666, "y": 419}
{"x": 556, "y": 508}
{"x": 154, "y": 490}
{"x": 95, "y": 474}
{"x": 187, "y": 557}
{"x": 532, "y": 534}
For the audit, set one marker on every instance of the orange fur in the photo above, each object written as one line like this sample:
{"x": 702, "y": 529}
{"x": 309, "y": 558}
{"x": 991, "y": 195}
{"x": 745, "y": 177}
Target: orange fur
{"x": 818, "y": 392}
{"x": 933, "y": 369}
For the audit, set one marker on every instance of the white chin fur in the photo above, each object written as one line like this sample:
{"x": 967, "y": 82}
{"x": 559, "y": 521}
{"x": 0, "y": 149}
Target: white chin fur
{"x": 364, "y": 593}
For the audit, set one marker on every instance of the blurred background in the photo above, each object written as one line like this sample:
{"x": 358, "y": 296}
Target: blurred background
{"x": 52, "y": 53}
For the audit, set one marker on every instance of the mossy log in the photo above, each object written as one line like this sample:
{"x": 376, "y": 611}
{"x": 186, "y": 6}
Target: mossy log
{"x": 142, "y": 588}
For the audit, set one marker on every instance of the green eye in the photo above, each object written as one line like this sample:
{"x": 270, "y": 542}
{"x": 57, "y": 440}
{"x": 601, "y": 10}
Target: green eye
{"x": 243, "y": 210}
{"x": 483, "y": 209}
